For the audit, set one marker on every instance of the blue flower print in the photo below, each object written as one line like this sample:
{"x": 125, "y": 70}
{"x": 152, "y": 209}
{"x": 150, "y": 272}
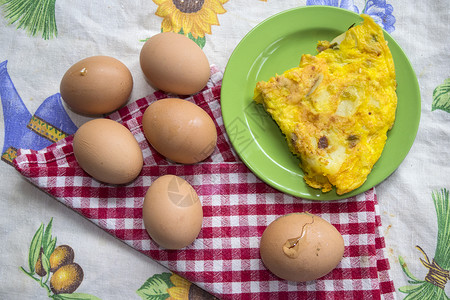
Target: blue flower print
{"x": 346, "y": 4}
{"x": 381, "y": 12}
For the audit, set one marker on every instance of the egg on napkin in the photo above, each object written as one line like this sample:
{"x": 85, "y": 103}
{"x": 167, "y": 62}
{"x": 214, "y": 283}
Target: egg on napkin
{"x": 301, "y": 247}
{"x": 172, "y": 212}
{"x": 179, "y": 130}
{"x": 108, "y": 151}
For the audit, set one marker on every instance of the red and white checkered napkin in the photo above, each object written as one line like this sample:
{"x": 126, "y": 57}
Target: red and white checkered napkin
{"x": 237, "y": 207}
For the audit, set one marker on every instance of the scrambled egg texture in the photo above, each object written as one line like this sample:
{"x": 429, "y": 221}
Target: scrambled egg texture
{"x": 336, "y": 107}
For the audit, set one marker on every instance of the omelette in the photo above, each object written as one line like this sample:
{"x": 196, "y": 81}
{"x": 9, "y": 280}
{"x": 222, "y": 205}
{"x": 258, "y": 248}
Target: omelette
{"x": 336, "y": 107}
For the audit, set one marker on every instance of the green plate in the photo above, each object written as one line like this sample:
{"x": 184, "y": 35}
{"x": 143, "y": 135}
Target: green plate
{"x": 276, "y": 45}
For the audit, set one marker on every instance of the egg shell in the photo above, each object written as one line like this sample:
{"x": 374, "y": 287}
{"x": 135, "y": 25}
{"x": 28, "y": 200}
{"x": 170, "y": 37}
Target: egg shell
{"x": 108, "y": 151}
{"x": 301, "y": 247}
{"x": 174, "y": 63}
{"x": 179, "y": 130}
{"x": 96, "y": 85}
{"x": 172, "y": 212}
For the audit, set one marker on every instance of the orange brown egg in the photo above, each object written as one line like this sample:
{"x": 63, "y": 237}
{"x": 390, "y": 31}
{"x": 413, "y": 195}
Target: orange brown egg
{"x": 301, "y": 247}
{"x": 172, "y": 212}
{"x": 179, "y": 130}
{"x": 108, "y": 151}
{"x": 96, "y": 85}
{"x": 174, "y": 63}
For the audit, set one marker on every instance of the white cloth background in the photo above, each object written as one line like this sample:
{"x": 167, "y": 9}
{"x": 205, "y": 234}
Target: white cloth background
{"x": 85, "y": 28}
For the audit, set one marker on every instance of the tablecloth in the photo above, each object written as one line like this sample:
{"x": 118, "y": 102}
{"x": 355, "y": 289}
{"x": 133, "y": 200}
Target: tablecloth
{"x": 411, "y": 205}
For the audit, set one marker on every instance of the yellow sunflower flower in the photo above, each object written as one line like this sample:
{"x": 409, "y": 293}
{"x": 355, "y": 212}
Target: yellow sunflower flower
{"x": 191, "y": 16}
{"x": 181, "y": 289}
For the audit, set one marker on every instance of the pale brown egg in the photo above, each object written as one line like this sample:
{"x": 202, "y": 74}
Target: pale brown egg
{"x": 108, "y": 151}
{"x": 301, "y": 247}
{"x": 174, "y": 63}
{"x": 96, "y": 85}
{"x": 179, "y": 130}
{"x": 172, "y": 212}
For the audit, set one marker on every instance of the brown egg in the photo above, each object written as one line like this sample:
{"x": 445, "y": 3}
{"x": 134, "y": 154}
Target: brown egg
{"x": 301, "y": 247}
{"x": 108, "y": 151}
{"x": 172, "y": 212}
{"x": 174, "y": 63}
{"x": 179, "y": 130}
{"x": 96, "y": 85}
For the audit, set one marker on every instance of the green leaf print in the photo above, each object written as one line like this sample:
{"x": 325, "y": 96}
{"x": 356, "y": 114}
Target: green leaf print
{"x": 75, "y": 296}
{"x": 441, "y": 97}
{"x": 32, "y": 15}
{"x": 407, "y": 271}
{"x": 41, "y": 248}
{"x": 45, "y": 263}
{"x": 433, "y": 287}
{"x": 200, "y": 41}
{"x": 409, "y": 289}
{"x": 35, "y": 248}
{"x": 51, "y": 247}
{"x": 155, "y": 288}
{"x": 46, "y": 239}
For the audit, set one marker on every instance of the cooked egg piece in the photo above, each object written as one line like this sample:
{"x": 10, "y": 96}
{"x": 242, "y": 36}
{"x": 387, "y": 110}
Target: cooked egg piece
{"x": 336, "y": 108}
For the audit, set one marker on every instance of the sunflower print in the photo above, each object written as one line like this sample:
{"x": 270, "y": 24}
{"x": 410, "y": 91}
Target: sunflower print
{"x": 192, "y": 18}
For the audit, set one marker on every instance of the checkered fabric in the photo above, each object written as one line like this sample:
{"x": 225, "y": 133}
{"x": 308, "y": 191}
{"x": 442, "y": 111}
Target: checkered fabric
{"x": 237, "y": 207}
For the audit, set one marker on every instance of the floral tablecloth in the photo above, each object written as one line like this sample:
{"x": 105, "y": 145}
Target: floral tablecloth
{"x": 41, "y": 39}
